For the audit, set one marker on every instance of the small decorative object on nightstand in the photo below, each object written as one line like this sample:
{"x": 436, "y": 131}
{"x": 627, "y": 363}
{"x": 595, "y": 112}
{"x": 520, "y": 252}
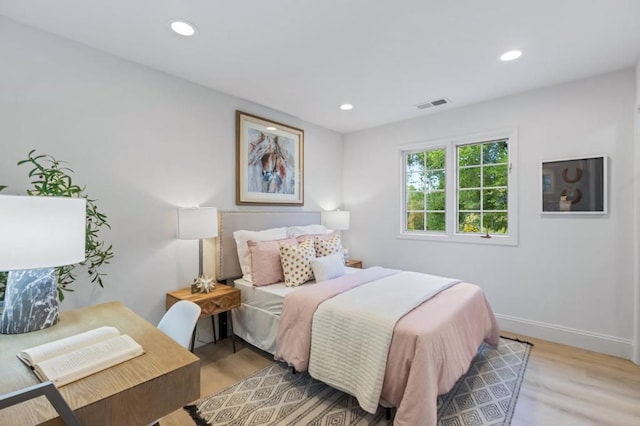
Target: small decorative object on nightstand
{"x": 352, "y": 263}
{"x": 222, "y": 298}
{"x": 203, "y": 283}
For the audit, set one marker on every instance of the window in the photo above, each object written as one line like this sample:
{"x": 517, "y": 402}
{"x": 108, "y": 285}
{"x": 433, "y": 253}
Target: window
{"x": 426, "y": 187}
{"x": 461, "y": 190}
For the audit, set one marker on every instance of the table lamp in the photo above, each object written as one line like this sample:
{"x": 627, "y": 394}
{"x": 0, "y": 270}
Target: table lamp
{"x": 337, "y": 220}
{"x": 36, "y": 235}
{"x": 196, "y": 224}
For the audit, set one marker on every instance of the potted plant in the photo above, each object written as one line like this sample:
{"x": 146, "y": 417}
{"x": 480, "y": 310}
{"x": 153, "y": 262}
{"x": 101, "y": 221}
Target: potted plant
{"x": 50, "y": 177}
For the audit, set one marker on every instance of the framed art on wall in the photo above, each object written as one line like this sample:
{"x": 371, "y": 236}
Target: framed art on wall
{"x": 575, "y": 185}
{"x": 270, "y": 159}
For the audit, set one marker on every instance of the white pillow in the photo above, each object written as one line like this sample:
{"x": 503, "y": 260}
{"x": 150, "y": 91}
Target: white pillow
{"x": 296, "y": 231}
{"x": 328, "y": 267}
{"x": 242, "y": 237}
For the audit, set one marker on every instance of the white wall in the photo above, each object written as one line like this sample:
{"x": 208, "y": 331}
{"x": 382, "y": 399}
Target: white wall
{"x": 636, "y": 278}
{"x": 143, "y": 143}
{"x": 570, "y": 279}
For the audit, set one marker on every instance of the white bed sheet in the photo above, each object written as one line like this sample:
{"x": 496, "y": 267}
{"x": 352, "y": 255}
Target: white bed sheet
{"x": 257, "y": 319}
{"x": 268, "y": 298}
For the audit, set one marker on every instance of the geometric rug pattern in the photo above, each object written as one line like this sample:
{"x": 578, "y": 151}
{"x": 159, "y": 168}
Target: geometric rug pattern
{"x": 485, "y": 395}
{"x": 488, "y": 392}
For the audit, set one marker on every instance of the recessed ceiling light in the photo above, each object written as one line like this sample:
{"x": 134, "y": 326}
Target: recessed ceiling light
{"x": 511, "y": 55}
{"x": 346, "y": 107}
{"x": 271, "y": 128}
{"x": 183, "y": 28}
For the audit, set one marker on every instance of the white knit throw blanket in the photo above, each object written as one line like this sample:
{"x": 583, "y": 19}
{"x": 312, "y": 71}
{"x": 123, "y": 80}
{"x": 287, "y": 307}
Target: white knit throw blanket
{"x": 352, "y": 332}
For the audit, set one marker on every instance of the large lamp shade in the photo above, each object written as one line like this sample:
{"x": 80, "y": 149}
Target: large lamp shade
{"x": 198, "y": 222}
{"x": 195, "y": 224}
{"x": 39, "y": 232}
{"x": 337, "y": 220}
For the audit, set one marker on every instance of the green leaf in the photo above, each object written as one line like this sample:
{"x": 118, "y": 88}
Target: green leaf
{"x": 494, "y": 199}
{"x": 495, "y": 152}
{"x": 436, "y": 159}
{"x": 469, "y": 155}
{"x": 436, "y": 200}
{"x": 415, "y": 221}
{"x": 495, "y": 175}
{"x": 469, "y": 199}
{"x": 469, "y": 177}
{"x": 436, "y": 222}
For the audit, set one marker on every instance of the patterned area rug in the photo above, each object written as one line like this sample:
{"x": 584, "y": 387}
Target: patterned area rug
{"x": 485, "y": 395}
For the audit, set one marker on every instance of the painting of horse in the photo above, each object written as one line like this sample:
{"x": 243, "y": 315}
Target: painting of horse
{"x": 269, "y": 163}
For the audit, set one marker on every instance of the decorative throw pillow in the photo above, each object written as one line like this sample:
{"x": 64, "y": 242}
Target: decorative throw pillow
{"x": 326, "y": 246}
{"x": 296, "y": 231}
{"x": 266, "y": 267}
{"x": 242, "y": 236}
{"x": 296, "y": 262}
{"x": 328, "y": 267}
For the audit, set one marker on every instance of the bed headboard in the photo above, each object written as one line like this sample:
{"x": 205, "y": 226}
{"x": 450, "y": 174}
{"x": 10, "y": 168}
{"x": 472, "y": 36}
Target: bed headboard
{"x": 227, "y": 266}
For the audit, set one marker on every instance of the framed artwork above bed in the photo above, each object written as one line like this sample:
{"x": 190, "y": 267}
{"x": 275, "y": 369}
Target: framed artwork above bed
{"x": 269, "y": 164}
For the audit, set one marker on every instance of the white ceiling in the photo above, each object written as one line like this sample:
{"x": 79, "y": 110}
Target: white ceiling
{"x": 306, "y": 57}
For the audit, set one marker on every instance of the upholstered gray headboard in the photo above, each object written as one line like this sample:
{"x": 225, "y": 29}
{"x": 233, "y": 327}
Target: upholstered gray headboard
{"x": 227, "y": 265}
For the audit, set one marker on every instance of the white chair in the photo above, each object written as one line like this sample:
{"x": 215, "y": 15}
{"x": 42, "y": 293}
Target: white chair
{"x": 179, "y": 322}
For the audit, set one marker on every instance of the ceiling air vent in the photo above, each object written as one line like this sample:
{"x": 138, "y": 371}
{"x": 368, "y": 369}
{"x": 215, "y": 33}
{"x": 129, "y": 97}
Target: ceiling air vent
{"x": 436, "y": 102}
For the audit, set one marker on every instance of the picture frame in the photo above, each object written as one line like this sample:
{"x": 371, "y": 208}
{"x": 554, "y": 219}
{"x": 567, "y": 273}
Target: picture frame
{"x": 576, "y": 185}
{"x": 269, "y": 162}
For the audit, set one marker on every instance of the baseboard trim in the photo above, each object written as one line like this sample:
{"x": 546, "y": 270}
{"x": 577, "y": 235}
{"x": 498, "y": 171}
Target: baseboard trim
{"x": 596, "y": 342}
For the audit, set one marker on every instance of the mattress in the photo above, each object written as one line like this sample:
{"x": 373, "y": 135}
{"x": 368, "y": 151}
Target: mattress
{"x": 257, "y": 319}
{"x": 269, "y": 298}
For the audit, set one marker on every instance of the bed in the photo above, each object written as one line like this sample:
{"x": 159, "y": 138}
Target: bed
{"x": 429, "y": 349}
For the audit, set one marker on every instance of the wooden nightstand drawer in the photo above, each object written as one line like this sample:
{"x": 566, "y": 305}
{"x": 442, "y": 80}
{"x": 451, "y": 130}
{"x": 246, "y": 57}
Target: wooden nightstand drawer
{"x": 220, "y": 304}
{"x": 222, "y": 298}
{"x": 353, "y": 263}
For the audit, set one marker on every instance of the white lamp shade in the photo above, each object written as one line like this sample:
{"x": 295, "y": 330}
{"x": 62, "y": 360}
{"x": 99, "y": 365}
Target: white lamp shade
{"x": 41, "y": 232}
{"x": 337, "y": 220}
{"x": 197, "y": 223}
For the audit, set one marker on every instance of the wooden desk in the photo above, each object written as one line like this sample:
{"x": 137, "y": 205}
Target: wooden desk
{"x": 136, "y": 392}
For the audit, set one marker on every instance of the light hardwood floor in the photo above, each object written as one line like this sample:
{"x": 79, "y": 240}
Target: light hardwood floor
{"x": 563, "y": 386}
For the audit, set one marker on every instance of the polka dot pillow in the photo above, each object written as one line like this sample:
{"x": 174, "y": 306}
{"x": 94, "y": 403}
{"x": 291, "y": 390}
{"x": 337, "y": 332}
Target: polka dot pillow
{"x": 296, "y": 262}
{"x": 328, "y": 245}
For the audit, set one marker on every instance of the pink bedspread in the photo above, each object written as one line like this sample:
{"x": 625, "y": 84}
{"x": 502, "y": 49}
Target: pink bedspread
{"x": 432, "y": 346}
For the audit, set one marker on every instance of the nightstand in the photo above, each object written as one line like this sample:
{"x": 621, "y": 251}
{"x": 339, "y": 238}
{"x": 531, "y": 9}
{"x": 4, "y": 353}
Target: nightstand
{"x": 354, "y": 263}
{"x": 222, "y": 298}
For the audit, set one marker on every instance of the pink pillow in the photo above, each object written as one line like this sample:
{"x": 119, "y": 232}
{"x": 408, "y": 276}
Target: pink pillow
{"x": 264, "y": 258}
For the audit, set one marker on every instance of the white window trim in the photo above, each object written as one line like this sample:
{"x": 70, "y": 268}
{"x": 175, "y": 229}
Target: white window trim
{"x": 450, "y": 144}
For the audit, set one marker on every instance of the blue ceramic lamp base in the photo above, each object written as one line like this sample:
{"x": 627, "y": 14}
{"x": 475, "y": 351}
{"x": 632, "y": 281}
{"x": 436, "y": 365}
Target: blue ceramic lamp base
{"x": 30, "y": 301}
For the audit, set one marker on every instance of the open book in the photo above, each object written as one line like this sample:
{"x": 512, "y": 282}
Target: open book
{"x": 72, "y": 358}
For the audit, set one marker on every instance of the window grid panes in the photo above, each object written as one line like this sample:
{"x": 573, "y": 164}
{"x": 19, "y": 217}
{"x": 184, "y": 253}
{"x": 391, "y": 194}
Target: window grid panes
{"x": 482, "y": 192}
{"x": 425, "y": 191}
